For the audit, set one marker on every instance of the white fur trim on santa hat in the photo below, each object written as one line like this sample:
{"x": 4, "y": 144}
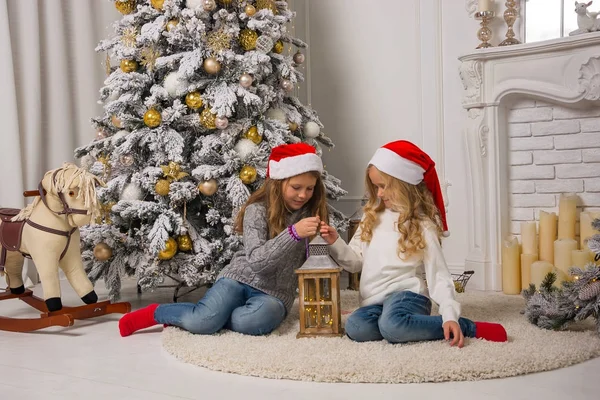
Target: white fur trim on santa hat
{"x": 295, "y": 165}
{"x": 392, "y": 164}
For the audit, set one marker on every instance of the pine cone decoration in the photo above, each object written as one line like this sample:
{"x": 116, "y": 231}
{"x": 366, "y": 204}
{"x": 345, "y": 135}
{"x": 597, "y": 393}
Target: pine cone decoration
{"x": 590, "y": 291}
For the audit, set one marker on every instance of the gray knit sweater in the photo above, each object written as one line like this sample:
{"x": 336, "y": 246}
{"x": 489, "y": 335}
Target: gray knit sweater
{"x": 268, "y": 264}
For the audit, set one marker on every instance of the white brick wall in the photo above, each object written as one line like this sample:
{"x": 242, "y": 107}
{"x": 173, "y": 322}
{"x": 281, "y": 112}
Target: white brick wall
{"x": 552, "y": 150}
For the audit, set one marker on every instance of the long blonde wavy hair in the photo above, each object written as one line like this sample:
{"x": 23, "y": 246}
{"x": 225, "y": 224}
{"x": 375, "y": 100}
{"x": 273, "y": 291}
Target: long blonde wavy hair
{"x": 415, "y": 205}
{"x": 271, "y": 194}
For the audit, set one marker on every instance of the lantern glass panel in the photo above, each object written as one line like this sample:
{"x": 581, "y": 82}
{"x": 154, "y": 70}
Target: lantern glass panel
{"x": 326, "y": 316}
{"x": 310, "y": 317}
{"x": 325, "y": 289}
{"x": 310, "y": 289}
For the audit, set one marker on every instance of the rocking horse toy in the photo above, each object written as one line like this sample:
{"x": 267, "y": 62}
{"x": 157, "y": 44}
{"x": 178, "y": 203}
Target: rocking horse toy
{"x": 47, "y": 231}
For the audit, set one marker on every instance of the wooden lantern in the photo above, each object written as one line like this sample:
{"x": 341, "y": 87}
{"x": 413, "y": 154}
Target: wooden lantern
{"x": 319, "y": 293}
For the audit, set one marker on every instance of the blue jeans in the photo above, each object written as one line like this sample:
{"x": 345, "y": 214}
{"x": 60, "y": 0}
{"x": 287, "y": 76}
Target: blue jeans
{"x": 403, "y": 317}
{"x": 227, "y": 304}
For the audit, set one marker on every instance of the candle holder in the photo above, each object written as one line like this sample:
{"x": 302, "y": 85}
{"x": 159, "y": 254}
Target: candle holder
{"x": 484, "y": 33}
{"x": 510, "y": 15}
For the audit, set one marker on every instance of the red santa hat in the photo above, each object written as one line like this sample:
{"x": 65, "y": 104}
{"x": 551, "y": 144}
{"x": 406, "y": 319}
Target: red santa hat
{"x": 405, "y": 161}
{"x": 293, "y": 159}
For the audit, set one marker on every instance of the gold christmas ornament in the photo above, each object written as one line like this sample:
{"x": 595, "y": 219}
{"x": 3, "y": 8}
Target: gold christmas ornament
{"x": 116, "y": 121}
{"x": 184, "y": 242}
{"x": 129, "y": 65}
{"x": 248, "y": 39}
{"x": 193, "y": 100}
{"x": 149, "y": 56}
{"x": 129, "y": 36}
{"x": 208, "y": 119}
{"x": 219, "y": 40}
{"x": 250, "y": 10}
{"x": 278, "y": 47}
{"x": 169, "y": 251}
{"x": 102, "y": 251}
{"x": 293, "y": 126}
{"x": 152, "y": 118}
{"x": 173, "y": 171}
{"x": 208, "y": 188}
{"x": 125, "y": 7}
{"x": 268, "y": 4}
{"x": 248, "y": 174}
{"x": 157, "y": 4}
{"x": 162, "y": 187}
{"x": 252, "y": 134}
{"x": 172, "y": 24}
{"x": 225, "y": 2}
{"x": 211, "y": 65}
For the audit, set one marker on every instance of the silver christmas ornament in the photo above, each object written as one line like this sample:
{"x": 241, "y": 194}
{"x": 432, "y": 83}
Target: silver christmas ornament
{"x": 299, "y": 58}
{"x": 246, "y": 80}
{"x": 221, "y": 122}
{"x": 126, "y": 160}
{"x": 209, "y": 5}
{"x": 286, "y": 85}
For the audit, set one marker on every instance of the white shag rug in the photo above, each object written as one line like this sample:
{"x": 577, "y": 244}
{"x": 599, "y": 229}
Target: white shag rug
{"x": 281, "y": 356}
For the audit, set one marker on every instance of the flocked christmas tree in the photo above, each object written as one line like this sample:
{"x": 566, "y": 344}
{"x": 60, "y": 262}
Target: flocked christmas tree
{"x": 555, "y": 308}
{"x": 203, "y": 91}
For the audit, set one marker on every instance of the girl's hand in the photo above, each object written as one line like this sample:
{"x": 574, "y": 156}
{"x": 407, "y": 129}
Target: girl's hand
{"x": 307, "y": 227}
{"x": 328, "y": 233}
{"x": 452, "y": 327}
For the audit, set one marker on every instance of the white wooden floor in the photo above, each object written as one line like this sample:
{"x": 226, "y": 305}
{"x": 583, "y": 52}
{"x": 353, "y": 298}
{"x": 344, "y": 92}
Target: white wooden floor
{"x": 91, "y": 361}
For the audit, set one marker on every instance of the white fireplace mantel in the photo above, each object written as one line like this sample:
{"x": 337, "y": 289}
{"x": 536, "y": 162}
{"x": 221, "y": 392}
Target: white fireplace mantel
{"x": 562, "y": 71}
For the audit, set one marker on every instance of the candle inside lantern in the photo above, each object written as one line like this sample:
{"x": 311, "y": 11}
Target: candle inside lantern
{"x": 484, "y": 5}
{"x": 511, "y": 266}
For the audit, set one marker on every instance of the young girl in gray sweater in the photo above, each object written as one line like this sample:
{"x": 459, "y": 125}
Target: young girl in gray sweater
{"x": 254, "y": 293}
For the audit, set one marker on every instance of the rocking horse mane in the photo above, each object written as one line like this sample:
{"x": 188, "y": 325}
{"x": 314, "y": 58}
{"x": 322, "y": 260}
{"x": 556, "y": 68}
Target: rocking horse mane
{"x": 63, "y": 180}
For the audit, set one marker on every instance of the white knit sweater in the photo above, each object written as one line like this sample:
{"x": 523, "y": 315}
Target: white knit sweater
{"x": 384, "y": 273}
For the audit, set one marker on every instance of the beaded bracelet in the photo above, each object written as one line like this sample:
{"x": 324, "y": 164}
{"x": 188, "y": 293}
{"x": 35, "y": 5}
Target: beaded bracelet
{"x": 293, "y": 233}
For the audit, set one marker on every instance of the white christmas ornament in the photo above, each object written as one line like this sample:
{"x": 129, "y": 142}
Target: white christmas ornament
{"x": 192, "y": 4}
{"x": 244, "y": 148}
{"x": 276, "y": 114}
{"x": 132, "y": 192}
{"x": 311, "y": 129}
{"x": 175, "y": 86}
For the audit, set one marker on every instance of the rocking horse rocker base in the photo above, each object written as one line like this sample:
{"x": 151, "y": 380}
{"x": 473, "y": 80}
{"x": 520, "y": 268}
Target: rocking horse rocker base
{"x": 64, "y": 317}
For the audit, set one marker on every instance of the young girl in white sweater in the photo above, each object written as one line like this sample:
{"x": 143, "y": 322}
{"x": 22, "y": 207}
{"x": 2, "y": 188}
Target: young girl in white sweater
{"x": 397, "y": 248}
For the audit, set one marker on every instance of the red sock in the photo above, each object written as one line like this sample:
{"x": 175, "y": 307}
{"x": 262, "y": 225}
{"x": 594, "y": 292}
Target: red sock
{"x": 490, "y": 331}
{"x": 136, "y": 320}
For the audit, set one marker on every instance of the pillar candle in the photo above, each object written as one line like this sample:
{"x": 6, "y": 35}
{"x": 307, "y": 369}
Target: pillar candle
{"x": 567, "y": 208}
{"x": 580, "y": 258}
{"x": 585, "y": 227}
{"x": 562, "y": 256}
{"x": 511, "y": 266}
{"x": 526, "y": 261}
{"x": 529, "y": 238}
{"x": 484, "y": 5}
{"x": 547, "y": 236}
{"x": 539, "y": 270}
